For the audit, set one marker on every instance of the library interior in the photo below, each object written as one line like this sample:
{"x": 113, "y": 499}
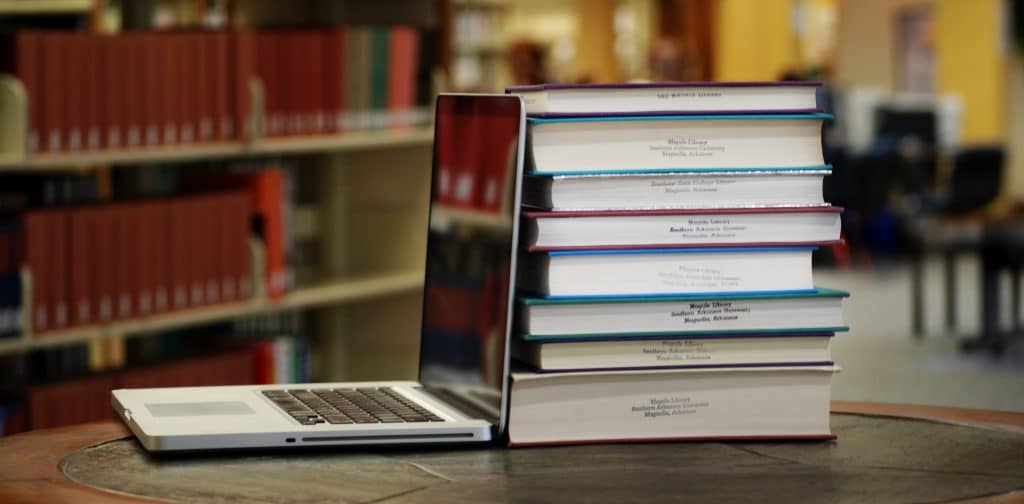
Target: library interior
{"x": 239, "y": 192}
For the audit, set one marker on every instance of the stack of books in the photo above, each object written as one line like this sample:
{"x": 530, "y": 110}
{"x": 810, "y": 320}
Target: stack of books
{"x": 666, "y": 285}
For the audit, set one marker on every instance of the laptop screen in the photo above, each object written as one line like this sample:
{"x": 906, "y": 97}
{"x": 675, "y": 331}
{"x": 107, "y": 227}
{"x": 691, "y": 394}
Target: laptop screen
{"x": 478, "y": 151}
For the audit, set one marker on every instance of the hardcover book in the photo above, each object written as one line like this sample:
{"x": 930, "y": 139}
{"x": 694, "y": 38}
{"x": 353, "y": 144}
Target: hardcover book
{"x": 669, "y": 228}
{"x": 693, "y": 351}
{"x": 544, "y": 319}
{"x": 674, "y": 189}
{"x": 652, "y": 405}
{"x": 667, "y": 97}
{"x": 658, "y": 143}
{"x": 667, "y": 271}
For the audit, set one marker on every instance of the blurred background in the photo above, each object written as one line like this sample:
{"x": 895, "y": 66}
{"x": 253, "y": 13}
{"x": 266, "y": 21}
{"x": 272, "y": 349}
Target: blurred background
{"x": 198, "y": 192}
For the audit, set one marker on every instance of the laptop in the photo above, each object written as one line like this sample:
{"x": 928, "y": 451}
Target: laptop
{"x": 462, "y": 392}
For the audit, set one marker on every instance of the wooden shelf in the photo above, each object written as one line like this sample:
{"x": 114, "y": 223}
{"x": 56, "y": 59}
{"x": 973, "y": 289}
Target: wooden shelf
{"x": 36, "y": 7}
{"x": 359, "y": 140}
{"x": 305, "y": 297}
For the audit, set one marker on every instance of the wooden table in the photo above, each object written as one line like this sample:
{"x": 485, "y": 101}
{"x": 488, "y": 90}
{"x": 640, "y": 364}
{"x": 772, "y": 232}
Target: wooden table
{"x": 887, "y": 453}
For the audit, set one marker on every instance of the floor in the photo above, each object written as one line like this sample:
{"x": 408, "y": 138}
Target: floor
{"x": 881, "y": 362}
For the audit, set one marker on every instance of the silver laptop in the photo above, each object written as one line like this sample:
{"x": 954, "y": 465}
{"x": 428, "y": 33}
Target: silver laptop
{"x": 461, "y": 395}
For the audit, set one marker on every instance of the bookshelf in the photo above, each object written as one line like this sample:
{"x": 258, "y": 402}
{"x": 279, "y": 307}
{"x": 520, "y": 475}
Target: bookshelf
{"x": 364, "y": 228}
{"x": 479, "y": 45}
{"x": 313, "y": 296}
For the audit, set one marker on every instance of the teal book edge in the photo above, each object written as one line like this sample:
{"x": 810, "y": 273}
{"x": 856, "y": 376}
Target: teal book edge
{"x": 380, "y": 63}
{"x": 709, "y": 117}
{"x": 817, "y": 292}
{"x": 723, "y": 334}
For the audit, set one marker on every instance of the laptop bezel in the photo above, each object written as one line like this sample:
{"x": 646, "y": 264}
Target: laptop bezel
{"x": 502, "y": 421}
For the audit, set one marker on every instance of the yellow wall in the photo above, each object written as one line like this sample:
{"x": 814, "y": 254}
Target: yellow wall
{"x": 970, "y": 62}
{"x": 755, "y": 40}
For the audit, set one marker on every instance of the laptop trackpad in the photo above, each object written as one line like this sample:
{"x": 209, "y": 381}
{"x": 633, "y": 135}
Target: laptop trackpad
{"x": 199, "y": 408}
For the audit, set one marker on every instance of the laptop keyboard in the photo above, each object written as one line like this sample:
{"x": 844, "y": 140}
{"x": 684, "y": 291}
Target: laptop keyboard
{"x": 349, "y": 406}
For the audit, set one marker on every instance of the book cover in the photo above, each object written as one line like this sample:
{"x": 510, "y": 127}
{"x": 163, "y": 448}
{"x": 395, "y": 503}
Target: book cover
{"x": 707, "y": 403}
{"x": 676, "y": 189}
{"x": 581, "y": 318}
{"x": 644, "y": 229}
{"x": 555, "y": 100}
{"x": 657, "y": 143}
{"x": 333, "y": 52}
{"x": 669, "y": 271}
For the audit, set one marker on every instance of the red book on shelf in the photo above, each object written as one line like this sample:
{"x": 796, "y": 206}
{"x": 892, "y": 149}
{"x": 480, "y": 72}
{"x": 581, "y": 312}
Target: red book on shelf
{"x": 187, "y": 81}
{"x": 114, "y": 82}
{"x": 74, "y": 53}
{"x": 267, "y": 68}
{"x": 316, "y": 122}
{"x": 211, "y": 260}
{"x": 132, "y": 68}
{"x": 203, "y": 48}
{"x": 243, "y": 61}
{"x": 81, "y": 264}
{"x": 219, "y": 61}
{"x": 333, "y": 52}
{"x": 160, "y": 225}
{"x": 52, "y": 80}
{"x": 94, "y": 96}
{"x": 126, "y": 260}
{"x": 59, "y": 268}
{"x": 197, "y": 252}
{"x": 242, "y": 256}
{"x": 179, "y": 247}
{"x": 105, "y": 277}
{"x": 143, "y": 249}
{"x": 36, "y": 245}
{"x": 155, "y": 88}
{"x": 174, "y": 73}
{"x": 404, "y": 56}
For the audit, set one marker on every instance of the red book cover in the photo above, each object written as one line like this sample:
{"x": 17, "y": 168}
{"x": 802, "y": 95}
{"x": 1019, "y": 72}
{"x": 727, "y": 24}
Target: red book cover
{"x": 126, "y": 260}
{"x": 132, "y": 48}
{"x": 59, "y": 268}
{"x": 267, "y": 67}
{"x": 403, "y": 63}
{"x": 105, "y": 276}
{"x": 74, "y": 52}
{"x": 93, "y": 91}
{"x": 174, "y": 73}
{"x": 36, "y": 243}
{"x": 268, "y": 203}
{"x": 211, "y": 259}
{"x": 143, "y": 248}
{"x": 53, "y": 80}
{"x": 196, "y": 252}
{"x": 114, "y": 87}
{"x": 188, "y": 82}
{"x": 203, "y": 48}
{"x": 82, "y": 262}
{"x": 179, "y": 247}
{"x": 228, "y": 248}
{"x": 316, "y": 122}
{"x": 219, "y": 72}
{"x": 333, "y": 52}
{"x": 154, "y": 87}
{"x": 160, "y": 228}
{"x": 28, "y": 63}
{"x": 243, "y": 61}
{"x": 242, "y": 254}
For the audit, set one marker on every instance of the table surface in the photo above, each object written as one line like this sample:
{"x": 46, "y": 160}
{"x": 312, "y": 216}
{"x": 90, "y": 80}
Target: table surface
{"x": 891, "y": 453}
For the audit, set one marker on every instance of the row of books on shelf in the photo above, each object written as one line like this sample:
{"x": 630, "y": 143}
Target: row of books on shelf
{"x": 60, "y": 389}
{"x": 667, "y": 278}
{"x": 99, "y": 263}
{"x": 90, "y": 92}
